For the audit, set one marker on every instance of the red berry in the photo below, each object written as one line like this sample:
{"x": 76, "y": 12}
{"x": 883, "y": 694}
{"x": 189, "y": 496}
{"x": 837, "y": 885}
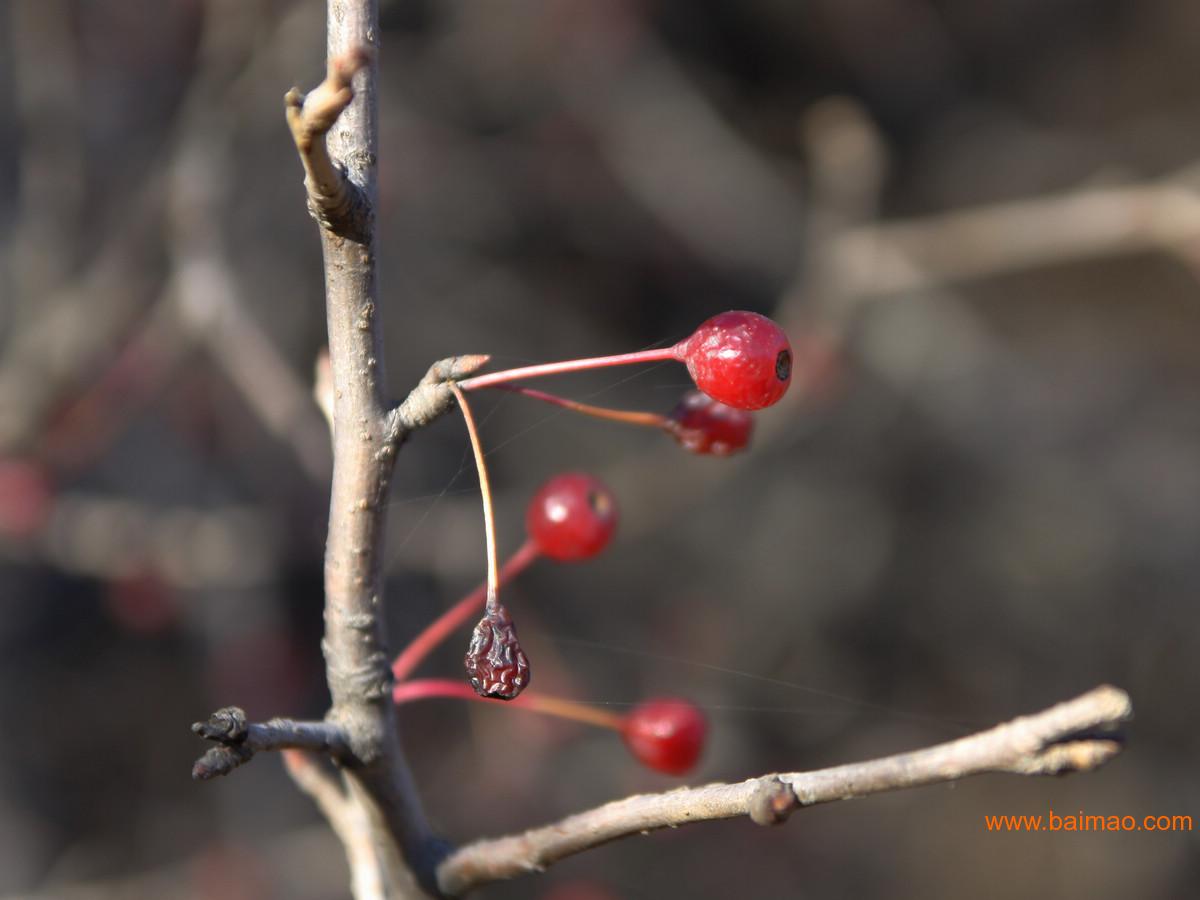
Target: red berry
{"x": 572, "y": 517}
{"x": 704, "y": 425}
{"x": 26, "y": 496}
{"x": 142, "y": 601}
{"x": 666, "y": 734}
{"x": 740, "y": 358}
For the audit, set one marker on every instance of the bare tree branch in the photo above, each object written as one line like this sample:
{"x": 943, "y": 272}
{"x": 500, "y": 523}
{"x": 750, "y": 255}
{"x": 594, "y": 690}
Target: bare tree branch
{"x": 368, "y": 871}
{"x": 238, "y": 740}
{"x": 341, "y": 198}
{"x": 1074, "y": 736}
{"x": 339, "y": 121}
{"x": 900, "y": 256}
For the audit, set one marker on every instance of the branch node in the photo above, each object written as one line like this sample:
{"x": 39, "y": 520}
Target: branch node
{"x": 772, "y": 802}
{"x": 333, "y": 199}
{"x": 454, "y": 368}
{"x": 220, "y": 761}
{"x": 431, "y": 398}
{"x": 227, "y": 726}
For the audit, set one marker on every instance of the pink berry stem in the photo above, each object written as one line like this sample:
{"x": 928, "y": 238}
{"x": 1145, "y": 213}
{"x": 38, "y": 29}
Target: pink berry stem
{"x": 459, "y": 614}
{"x": 628, "y": 416}
{"x": 489, "y": 520}
{"x": 571, "y": 365}
{"x": 430, "y": 688}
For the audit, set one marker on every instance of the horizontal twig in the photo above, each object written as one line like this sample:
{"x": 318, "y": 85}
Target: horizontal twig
{"x": 899, "y": 256}
{"x": 1077, "y": 735}
{"x": 238, "y": 740}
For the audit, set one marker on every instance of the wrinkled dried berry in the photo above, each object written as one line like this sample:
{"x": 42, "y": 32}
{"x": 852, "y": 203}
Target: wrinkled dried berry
{"x": 496, "y": 664}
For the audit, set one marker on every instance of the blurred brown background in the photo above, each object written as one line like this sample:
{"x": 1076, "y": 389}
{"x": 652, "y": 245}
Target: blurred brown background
{"x": 989, "y": 502}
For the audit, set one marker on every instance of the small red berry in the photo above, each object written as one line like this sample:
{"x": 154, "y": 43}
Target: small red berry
{"x": 26, "y": 496}
{"x": 704, "y": 425}
{"x": 572, "y": 517}
{"x": 740, "y": 358}
{"x": 142, "y": 601}
{"x": 666, "y": 734}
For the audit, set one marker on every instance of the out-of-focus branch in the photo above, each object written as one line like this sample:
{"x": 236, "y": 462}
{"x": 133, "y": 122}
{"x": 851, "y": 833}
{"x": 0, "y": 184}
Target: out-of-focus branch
{"x": 699, "y": 177}
{"x": 75, "y": 326}
{"x": 1074, "y": 736}
{"x": 347, "y": 819}
{"x": 897, "y": 257}
{"x": 51, "y": 186}
{"x": 190, "y": 547}
{"x": 212, "y": 308}
{"x": 238, "y": 740}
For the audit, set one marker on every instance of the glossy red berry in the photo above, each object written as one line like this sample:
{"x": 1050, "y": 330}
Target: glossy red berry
{"x": 572, "y": 517}
{"x": 704, "y": 425}
{"x": 739, "y": 358}
{"x": 666, "y": 734}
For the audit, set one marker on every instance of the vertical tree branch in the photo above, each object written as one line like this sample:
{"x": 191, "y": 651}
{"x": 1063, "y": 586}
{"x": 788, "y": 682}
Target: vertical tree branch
{"x": 342, "y": 198}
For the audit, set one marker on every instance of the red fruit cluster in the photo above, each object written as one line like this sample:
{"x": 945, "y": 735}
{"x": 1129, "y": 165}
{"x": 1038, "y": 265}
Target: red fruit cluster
{"x": 572, "y": 517}
{"x": 739, "y": 358}
{"x": 704, "y": 425}
{"x": 666, "y": 734}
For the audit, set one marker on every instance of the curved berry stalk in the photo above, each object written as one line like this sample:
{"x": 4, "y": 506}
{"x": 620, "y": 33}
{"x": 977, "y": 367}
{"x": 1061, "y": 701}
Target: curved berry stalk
{"x": 457, "y": 615}
{"x": 495, "y": 662}
{"x": 666, "y": 734}
{"x": 698, "y": 423}
{"x": 571, "y": 518}
{"x": 627, "y": 416}
{"x": 433, "y": 688}
{"x": 739, "y": 358}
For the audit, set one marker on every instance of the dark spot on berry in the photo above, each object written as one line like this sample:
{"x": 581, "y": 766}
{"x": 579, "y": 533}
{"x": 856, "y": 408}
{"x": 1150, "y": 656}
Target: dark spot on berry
{"x": 783, "y": 365}
{"x": 599, "y": 503}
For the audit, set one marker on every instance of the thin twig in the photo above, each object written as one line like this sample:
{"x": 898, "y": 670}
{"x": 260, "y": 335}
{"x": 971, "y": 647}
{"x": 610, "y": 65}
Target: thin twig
{"x": 1074, "y": 736}
{"x": 238, "y": 740}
